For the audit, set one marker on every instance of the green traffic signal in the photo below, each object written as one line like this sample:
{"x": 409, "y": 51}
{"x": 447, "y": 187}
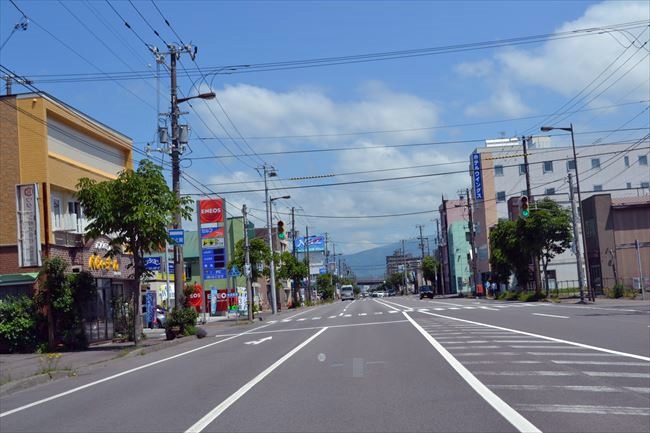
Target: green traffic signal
{"x": 523, "y": 206}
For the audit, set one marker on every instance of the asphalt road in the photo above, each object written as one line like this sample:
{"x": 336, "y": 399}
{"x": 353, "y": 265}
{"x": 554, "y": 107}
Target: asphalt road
{"x": 373, "y": 365}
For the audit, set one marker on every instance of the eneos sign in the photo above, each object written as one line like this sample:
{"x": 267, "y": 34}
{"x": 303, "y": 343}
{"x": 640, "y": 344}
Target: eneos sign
{"x": 195, "y": 297}
{"x": 211, "y": 211}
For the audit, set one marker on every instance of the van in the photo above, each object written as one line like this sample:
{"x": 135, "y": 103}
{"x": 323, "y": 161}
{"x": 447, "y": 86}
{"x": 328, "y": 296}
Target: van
{"x": 347, "y": 292}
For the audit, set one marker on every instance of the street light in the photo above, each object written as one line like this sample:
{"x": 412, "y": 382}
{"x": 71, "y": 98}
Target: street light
{"x": 179, "y": 263}
{"x": 582, "y": 225}
{"x": 270, "y": 201}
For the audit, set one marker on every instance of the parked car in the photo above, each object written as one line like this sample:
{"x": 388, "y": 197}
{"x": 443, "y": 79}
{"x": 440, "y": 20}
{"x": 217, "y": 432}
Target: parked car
{"x": 426, "y": 291}
{"x": 161, "y": 315}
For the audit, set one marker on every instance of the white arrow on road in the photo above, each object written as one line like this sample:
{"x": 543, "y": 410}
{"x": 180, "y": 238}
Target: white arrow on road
{"x": 256, "y": 342}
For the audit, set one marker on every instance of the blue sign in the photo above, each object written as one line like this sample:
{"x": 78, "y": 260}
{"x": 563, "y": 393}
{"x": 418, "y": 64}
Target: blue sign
{"x": 150, "y": 302}
{"x": 234, "y": 272}
{"x": 316, "y": 243}
{"x": 152, "y": 263}
{"x": 322, "y": 271}
{"x": 214, "y": 263}
{"x": 177, "y": 235}
{"x": 477, "y": 175}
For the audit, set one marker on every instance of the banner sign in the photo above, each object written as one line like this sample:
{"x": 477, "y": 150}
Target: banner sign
{"x": 211, "y": 211}
{"x": 29, "y": 227}
{"x": 477, "y": 175}
{"x": 316, "y": 243}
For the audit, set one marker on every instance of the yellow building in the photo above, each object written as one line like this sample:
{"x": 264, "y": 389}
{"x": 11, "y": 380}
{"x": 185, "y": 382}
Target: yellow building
{"x": 46, "y": 146}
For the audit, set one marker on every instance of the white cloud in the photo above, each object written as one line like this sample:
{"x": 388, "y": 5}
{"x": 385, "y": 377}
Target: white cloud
{"x": 503, "y": 101}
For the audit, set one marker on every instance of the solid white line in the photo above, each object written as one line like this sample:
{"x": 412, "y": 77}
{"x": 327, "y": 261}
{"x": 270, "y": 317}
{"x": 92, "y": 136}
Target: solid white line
{"x": 600, "y": 410}
{"x": 115, "y": 376}
{"x": 617, "y": 374}
{"x": 635, "y": 364}
{"x": 584, "y": 346}
{"x": 511, "y": 415}
{"x": 550, "y": 315}
{"x": 214, "y": 413}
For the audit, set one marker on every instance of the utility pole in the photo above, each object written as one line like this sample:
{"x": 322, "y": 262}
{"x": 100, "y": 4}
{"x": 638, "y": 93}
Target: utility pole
{"x": 247, "y": 266}
{"x": 576, "y": 243}
{"x": 404, "y": 267}
{"x": 308, "y": 264}
{"x": 471, "y": 242}
{"x": 421, "y": 239}
{"x": 439, "y": 257}
{"x": 525, "y": 141}
{"x": 274, "y": 306}
{"x": 294, "y": 283}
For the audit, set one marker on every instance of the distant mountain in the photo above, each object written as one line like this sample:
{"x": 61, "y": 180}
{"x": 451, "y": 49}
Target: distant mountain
{"x": 372, "y": 263}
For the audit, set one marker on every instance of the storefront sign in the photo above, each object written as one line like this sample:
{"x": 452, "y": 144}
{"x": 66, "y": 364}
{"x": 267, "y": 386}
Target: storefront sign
{"x": 29, "y": 227}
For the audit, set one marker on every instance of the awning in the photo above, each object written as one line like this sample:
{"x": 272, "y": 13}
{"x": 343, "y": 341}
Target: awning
{"x": 20, "y": 278}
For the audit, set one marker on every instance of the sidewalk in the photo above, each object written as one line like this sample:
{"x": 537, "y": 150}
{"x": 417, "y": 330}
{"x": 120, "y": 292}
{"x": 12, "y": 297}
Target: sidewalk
{"x": 20, "y": 371}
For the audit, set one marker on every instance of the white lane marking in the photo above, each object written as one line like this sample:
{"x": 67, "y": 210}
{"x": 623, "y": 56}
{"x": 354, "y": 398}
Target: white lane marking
{"x": 472, "y": 347}
{"x": 124, "y": 373}
{"x": 363, "y": 314}
{"x": 550, "y": 315}
{"x": 632, "y": 364}
{"x": 488, "y": 353}
{"x": 536, "y": 346}
{"x": 489, "y": 308}
{"x": 600, "y": 410}
{"x": 347, "y": 315}
{"x": 530, "y": 334}
{"x": 315, "y": 318}
{"x": 218, "y": 410}
{"x": 287, "y": 320}
{"x": 261, "y": 340}
{"x": 526, "y": 373}
{"x": 332, "y": 317}
{"x": 379, "y": 312}
{"x": 558, "y": 387}
{"x": 454, "y": 308}
{"x": 568, "y": 354}
{"x": 511, "y": 415}
{"x": 271, "y": 322}
{"x": 296, "y": 315}
{"x": 302, "y": 319}
{"x": 393, "y": 311}
{"x": 617, "y": 374}
{"x": 638, "y": 389}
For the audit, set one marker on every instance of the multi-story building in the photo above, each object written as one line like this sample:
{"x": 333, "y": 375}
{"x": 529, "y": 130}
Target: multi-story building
{"x": 401, "y": 263}
{"x": 498, "y": 173}
{"x": 460, "y": 258}
{"x": 451, "y": 211}
{"x": 46, "y": 147}
{"x": 617, "y": 232}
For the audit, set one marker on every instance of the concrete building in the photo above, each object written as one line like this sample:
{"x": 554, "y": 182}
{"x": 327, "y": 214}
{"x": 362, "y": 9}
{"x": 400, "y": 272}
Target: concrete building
{"x": 46, "y": 147}
{"x": 451, "y": 211}
{"x": 617, "y": 232}
{"x": 459, "y": 258}
{"x": 498, "y": 173}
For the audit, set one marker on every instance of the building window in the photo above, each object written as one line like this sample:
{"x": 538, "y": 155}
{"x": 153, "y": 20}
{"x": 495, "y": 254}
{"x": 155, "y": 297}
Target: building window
{"x": 501, "y": 196}
{"x": 522, "y": 169}
{"x": 629, "y": 185}
{"x": 626, "y": 160}
{"x": 570, "y": 165}
{"x": 549, "y": 191}
{"x": 643, "y": 159}
{"x": 498, "y": 170}
{"x": 595, "y": 163}
{"x": 645, "y": 185}
{"x": 598, "y": 188}
{"x": 548, "y": 166}
{"x": 56, "y": 212}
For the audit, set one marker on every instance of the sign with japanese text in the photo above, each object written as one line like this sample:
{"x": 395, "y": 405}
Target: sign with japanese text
{"x": 477, "y": 176}
{"x": 211, "y": 211}
{"x": 29, "y": 228}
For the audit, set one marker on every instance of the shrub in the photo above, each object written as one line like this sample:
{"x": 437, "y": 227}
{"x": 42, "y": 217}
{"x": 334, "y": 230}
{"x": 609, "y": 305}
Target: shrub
{"x": 184, "y": 319}
{"x": 530, "y": 296}
{"x": 17, "y": 325}
{"x": 509, "y": 296}
{"x": 616, "y": 291}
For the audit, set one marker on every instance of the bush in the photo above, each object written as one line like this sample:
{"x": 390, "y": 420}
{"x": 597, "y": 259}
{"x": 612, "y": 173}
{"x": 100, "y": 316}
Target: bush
{"x": 509, "y": 296}
{"x": 182, "y": 318}
{"x": 531, "y": 296}
{"x": 17, "y": 325}
{"x": 616, "y": 291}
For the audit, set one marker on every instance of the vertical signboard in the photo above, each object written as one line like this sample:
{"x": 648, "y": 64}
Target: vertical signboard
{"x": 212, "y": 235}
{"x": 29, "y": 228}
{"x": 477, "y": 175}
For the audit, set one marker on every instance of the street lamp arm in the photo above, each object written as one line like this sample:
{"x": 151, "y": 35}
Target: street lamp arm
{"x": 209, "y": 95}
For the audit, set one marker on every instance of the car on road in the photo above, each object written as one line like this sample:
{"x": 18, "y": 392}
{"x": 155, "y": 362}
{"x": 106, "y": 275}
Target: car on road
{"x": 426, "y": 292}
{"x": 347, "y": 292}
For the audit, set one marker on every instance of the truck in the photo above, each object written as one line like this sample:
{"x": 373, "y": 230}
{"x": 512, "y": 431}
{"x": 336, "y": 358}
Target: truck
{"x": 347, "y": 292}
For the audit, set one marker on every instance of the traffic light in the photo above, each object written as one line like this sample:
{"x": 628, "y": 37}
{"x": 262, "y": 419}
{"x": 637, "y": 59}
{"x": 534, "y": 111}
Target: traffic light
{"x": 281, "y": 234}
{"x": 524, "y": 210}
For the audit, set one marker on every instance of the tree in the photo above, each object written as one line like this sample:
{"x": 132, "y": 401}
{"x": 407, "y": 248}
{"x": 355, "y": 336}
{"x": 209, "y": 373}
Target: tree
{"x": 259, "y": 255}
{"x": 429, "y": 268}
{"x": 324, "y": 287}
{"x": 134, "y": 211}
{"x": 289, "y": 268}
{"x": 548, "y": 232}
{"x": 545, "y": 234}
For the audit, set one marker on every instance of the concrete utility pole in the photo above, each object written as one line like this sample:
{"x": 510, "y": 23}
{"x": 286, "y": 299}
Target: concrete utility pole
{"x": 267, "y": 172}
{"x": 294, "y": 283}
{"x": 404, "y": 267}
{"x": 421, "y": 239}
{"x": 308, "y": 264}
{"x": 247, "y": 266}
{"x": 576, "y": 243}
{"x": 471, "y": 243}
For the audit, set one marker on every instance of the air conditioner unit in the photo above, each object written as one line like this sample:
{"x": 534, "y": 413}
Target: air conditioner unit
{"x": 76, "y": 269}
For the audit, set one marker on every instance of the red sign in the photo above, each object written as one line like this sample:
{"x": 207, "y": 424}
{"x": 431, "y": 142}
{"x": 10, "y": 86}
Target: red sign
{"x": 211, "y": 211}
{"x": 195, "y": 297}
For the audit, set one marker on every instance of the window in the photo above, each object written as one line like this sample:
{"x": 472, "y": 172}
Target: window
{"x": 643, "y": 159}
{"x": 549, "y": 191}
{"x": 598, "y": 187}
{"x": 548, "y": 166}
{"x": 498, "y": 170}
{"x": 522, "y": 169}
{"x": 645, "y": 184}
{"x": 626, "y": 160}
{"x": 501, "y": 196}
{"x": 595, "y": 163}
{"x": 56, "y": 212}
{"x": 629, "y": 185}
{"x": 570, "y": 165}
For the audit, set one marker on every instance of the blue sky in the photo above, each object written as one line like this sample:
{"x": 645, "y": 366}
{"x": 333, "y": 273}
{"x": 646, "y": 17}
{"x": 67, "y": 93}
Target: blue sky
{"x": 381, "y": 119}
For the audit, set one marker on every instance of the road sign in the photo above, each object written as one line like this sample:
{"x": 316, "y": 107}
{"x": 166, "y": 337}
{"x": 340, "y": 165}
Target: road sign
{"x": 177, "y": 235}
{"x": 152, "y": 263}
{"x": 234, "y": 272}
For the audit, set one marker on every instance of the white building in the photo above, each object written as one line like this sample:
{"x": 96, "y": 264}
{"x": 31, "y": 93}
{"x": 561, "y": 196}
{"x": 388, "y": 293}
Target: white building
{"x": 498, "y": 174}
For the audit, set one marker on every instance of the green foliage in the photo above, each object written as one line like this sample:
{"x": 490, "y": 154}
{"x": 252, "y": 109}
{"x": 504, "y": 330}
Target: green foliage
{"x": 325, "y": 287}
{"x": 182, "y": 318}
{"x": 430, "y": 268}
{"x": 395, "y": 280}
{"x": 615, "y": 292}
{"x": 530, "y": 296}
{"x": 17, "y": 325}
{"x": 509, "y": 296}
{"x": 259, "y": 255}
